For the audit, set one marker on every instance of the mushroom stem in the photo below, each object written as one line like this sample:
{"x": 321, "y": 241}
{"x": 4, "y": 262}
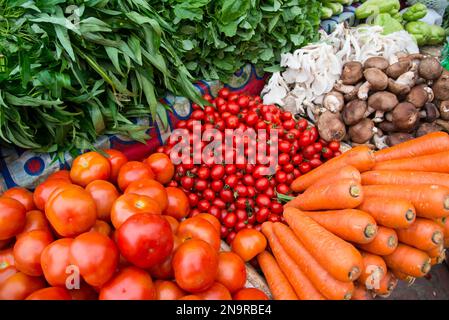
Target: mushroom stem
{"x": 364, "y": 90}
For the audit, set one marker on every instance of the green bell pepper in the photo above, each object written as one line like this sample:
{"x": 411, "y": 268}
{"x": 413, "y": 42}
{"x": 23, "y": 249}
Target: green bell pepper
{"x": 437, "y": 35}
{"x": 371, "y": 7}
{"x": 326, "y": 13}
{"x": 419, "y": 30}
{"x": 415, "y": 12}
{"x": 388, "y": 23}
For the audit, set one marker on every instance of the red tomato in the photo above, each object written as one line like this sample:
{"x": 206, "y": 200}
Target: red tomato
{"x": 102, "y": 227}
{"x": 55, "y": 260}
{"x": 61, "y": 174}
{"x": 22, "y": 195}
{"x": 19, "y": 286}
{"x": 104, "y": 194}
{"x": 145, "y": 240}
{"x": 198, "y": 228}
{"x": 85, "y": 292}
{"x": 96, "y": 256}
{"x": 71, "y": 210}
{"x": 190, "y": 262}
{"x": 130, "y": 204}
{"x": 231, "y": 271}
{"x": 211, "y": 219}
{"x": 168, "y": 290}
{"x": 178, "y": 203}
{"x": 164, "y": 270}
{"x": 89, "y": 167}
{"x": 28, "y": 250}
{"x": 191, "y": 297}
{"x": 150, "y": 188}
{"x": 5, "y": 243}
{"x": 51, "y": 293}
{"x": 174, "y": 224}
{"x": 12, "y": 218}
{"x": 130, "y": 283}
{"x": 6, "y": 272}
{"x": 116, "y": 159}
{"x": 250, "y": 294}
{"x": 45, "y": 189}
{"x": 35, "y": 220}
{"x": 161, "y": 166}
{"x": 6, "y": 258}
{"x": 133, "y": 171}
{"x": 215, "y": 292}
{"x": 334, "y": 146}
{"x": 248, "y": 243}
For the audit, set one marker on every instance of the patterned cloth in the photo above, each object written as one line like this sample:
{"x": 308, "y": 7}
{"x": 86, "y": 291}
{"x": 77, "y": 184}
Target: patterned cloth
{"x": 27, "y": 169}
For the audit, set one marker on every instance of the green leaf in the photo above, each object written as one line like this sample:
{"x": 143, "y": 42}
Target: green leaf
{"x": 64, "y": 40}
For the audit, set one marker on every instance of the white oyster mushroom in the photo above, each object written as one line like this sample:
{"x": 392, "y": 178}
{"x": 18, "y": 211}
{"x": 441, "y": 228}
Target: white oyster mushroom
{"x": 275, "y": 91}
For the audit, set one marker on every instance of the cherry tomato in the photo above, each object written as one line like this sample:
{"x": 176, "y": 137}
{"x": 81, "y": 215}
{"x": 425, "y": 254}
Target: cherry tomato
{"x": 193, "y": 199}
{"x": 150, "y": 188}
{"x": 131, "y": 204}
{"x": 230, "y": 237}
{"x": 35, "y": 220}
{"x": 88, "y": 167}
{"x": 133, "y": 171}
{"x": 168, "y": 290}
{"x": 203, "y": 205}
{"x": 96, "y": 256}
{"x": 198, "y": 228}
{"x": 130, "y": 283}
{"x": 71, "y": 210}
{"x": 277, "y": 207}
{"x": 145, "y": 240}
{"x": 102, "y": 227}
{"x": 250, "y": 294}
{"x": 262, "y": 215}
{"x": 283, "y": 188}
{"x": 22, "y": 195}
{"x": 224, "y": 93}
{"x": 12, "y": 218}
{"x": 161, "y": 166}
{"x": 302, "y": 124}
{"x": 231, "y": 271}
{"x": 262, "y": 200}
{"x": 315, "y": 163}
{"x": 28, "y": 250}
{"x": 305, "y": 167}
{"x": 190, "y": 261}
{"x": 274, "y": 218}
{"x": 248, "y": 243}
{"x": 327, "y": 153}
{"x": 217, "y": 185}
{"x": 187, "y": 182}
{"x": 337, "y": 154}
{"x": 104, "y": 194}
{"x": 262, "y": 184}
{"x": 215, "y": 292}
{"x": 178, "y": 203}
{"x": 232, "y": 122}
{"x": 19, "y": 286}
{"x": 45, "y": 189}
{"x": 334, "y": 146}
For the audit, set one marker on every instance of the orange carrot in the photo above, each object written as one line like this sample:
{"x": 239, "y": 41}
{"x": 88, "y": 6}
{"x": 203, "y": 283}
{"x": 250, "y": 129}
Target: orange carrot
{"x": 350, "y": 224}
{"x": 344, "y": 194}
{"x": 386, "y": 285}
{"x": 361, "y": 157}
{"x": 346, "y": 172}
{"x": 341, "y": 259}
{"x": 430, "y": 201}
{"x": 389, "y": 212}
{"x": 444, "y": 223}
{"x": 403, "y": 276}
{"x": 438, "y": 162}
{"x": 428, "y": 144}
{"x": 383, "y": 244}
{"x": 301, "y": 284}
{"x": 439, "y": 259}
{"x": 409, "y": 260}
{"x": 277, "y": 282}
{"x": 374, "y": 269}
{"x": 361, "y": 293}
{"x": 435, "y": 252}
{"x": 404, "y": 177}
{"x": 423, "y": 234}
{"x": 325, "y": 283}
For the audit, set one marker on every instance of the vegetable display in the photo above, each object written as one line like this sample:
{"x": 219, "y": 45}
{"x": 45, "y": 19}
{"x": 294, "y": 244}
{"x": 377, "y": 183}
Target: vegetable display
{"x": 400, "y": 246}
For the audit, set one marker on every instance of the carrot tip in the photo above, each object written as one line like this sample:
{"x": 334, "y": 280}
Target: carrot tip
{"x": 355, "y": 191}
{"x": 370, "y": 231}
{"x": 426, "y": 267}
{"x": 410, "y": 215}
{"x": 446, "y": 203}
{"x": 392, "y": 242}
{"x": 437, "y": 237}
{"x": 354, "y": 273}
{"x": 348, "y": 296}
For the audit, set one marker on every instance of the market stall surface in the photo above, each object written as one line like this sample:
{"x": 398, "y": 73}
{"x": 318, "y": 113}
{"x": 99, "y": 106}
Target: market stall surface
{"x": 433, "y": 287}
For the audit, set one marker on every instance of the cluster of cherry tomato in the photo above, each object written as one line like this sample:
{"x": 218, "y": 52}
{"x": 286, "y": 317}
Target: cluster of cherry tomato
{"x": 115, "y": 229}
{"x": 238, "y": 194}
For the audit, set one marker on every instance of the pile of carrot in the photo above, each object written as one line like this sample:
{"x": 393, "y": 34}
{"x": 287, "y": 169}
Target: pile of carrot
{"x": 361, "y": 222}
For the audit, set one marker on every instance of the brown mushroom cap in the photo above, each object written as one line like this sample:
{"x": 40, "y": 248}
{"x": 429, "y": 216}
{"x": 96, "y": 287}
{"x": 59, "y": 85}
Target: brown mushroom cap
{"x": 444, "y": 109}
{"x": 397, "y": 138}
{"x": 352, "y": 72}
{"x": 431, "y": 112}
{"x": 430, "y": 68}
{"x": 398, "y": 68}
{"x": 354, "y": 112}
{"x": 405, "y": 116}
{"x": 362, "y": 132}
{"x": 330, "y": 126}
{"x": 398, "y": 88}
{"x": 441, "y": 86}
{"x": 386, "y": 126}
{"x": 377, "y": 79}
{"x": 334, "y": 101}
{"x": 383, "y": 101}
{"x": 418, "y": 96}
{"x": 426, "y": 128}
{"x": 376, "y": 62}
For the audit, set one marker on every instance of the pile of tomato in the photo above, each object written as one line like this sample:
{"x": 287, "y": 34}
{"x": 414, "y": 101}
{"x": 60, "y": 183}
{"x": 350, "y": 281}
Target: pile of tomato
{"x": 238, "y": 194}
{"x": 116, "y": 229}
